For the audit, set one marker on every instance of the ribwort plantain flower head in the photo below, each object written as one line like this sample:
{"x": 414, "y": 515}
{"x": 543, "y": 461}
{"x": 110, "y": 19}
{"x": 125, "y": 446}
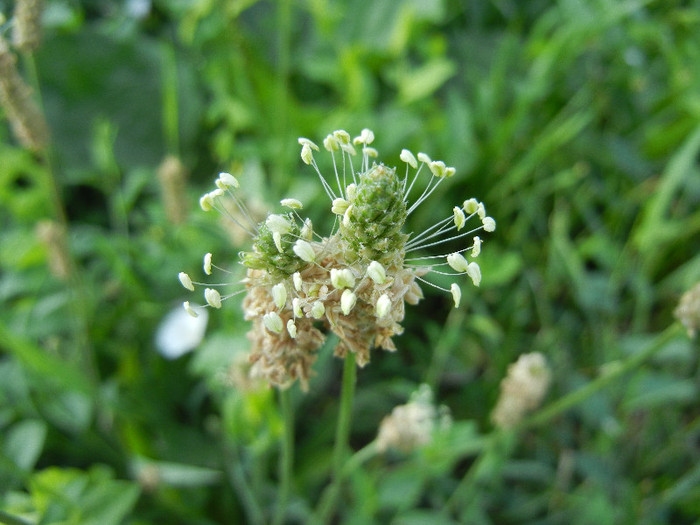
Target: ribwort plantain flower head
{"x": 354, "y": 280}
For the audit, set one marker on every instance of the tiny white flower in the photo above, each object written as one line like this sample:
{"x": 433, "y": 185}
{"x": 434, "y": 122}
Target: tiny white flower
{"x": 277, "y": 237}
{"x": 376, "y": 272}
{"x": 296, "y": 307}
{"x": 489, "y": 224}
{"x": 273, "y": 322}
{"x": 457, "y": 262}
{"x": 456, "y": 294}
{"x": 408, "y": 158}
{"x": 292, "y": 329}
{"x": 279, "y": 295}
{"x": 189, "y": 309}
{"x": 347, "y": 301}
{"x": 304, "y": 250}
{"x": 226, "y": 180}
{"x": 317, "y": 310}
{"x": 207, "y": 263}
{"x": 460, "y": 219}
{"x": 339, "y": 206}
{"x": 296, "y": 279}
{"x": 278, "y": 223}
{"x": 186, "y": 281}
{"x": 383, "y": 306}
{"x": 476, "y": 249}
{"x": 474, "y": 272}
{"x": 213, "y": 297}
{"x": 343, "y": 278}
{"x": 294, "y": 204}
{"x": 422, "y": 157}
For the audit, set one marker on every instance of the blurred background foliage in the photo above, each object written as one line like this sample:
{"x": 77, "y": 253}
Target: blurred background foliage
{"x": 577, "y": 122}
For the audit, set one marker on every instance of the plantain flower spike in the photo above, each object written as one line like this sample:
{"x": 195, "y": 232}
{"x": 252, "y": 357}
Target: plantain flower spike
{"x": 356, "y": 279}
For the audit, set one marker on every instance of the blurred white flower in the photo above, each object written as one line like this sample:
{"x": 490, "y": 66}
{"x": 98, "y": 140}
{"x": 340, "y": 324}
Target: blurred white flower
{"x": 179, "y": 333}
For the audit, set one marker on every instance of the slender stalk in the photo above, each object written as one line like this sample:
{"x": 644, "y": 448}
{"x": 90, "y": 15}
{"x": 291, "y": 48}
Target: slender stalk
{"x": 10, "y": 519}
{"x": 287, "y": 456}
{"x": 501, "y": 442}
{"x": 444, "y": 347}
{"x": 612, "y": 373}
{"x": 81, "y": 313}
{"x": 342, "y": 438}
{"x": 238, "y": 480}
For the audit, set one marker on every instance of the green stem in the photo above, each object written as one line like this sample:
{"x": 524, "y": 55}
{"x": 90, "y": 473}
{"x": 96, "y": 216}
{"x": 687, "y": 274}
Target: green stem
{"x": 501, "y": 442}
{"x": 238, "y": 480}
{"x": 287, "y": 457}
{"x": 81, "y": 312}
{"x": 614, "y": 371}
{"x": 445, "y": 345}
{"x": 342, "y": 438}
{"x": 10, "y": 519}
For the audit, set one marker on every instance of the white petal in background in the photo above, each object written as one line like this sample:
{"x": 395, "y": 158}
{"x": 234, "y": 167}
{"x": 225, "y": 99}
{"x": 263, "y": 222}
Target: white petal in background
{"x": 179, "y": 332}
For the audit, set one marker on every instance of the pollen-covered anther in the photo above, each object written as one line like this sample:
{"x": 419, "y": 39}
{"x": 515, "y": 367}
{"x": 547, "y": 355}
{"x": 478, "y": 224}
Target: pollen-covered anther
{"x": 212, "y": 297}
{"x": 339, "y": 206}
{"x": 186, "y": 281}
{"x": 277, "y": 238}
{"x": 307, "y": 156}
{"x": 438, "y": 168}
{"x": 470, "y": 206}
{"x": 489, "y": 224}
{"x": 293, "y": 204}
{"x": 279, "y": 295}
{"x": 207, "y": 263}
{"x": 422, "y": 157}
{"x": 304, "y": 250}
{"x": 306, "y": 142}
{"x": 347, "y": 215}
{"x": 459, "y": 217}
{"x": 347, "y": 301}
{"x": 456, "y": 292}
{"x": 189, "y": 309}
{"x": 370, "y": 152}
{"x": 343, "y": 278}
{"x": 383, "y": 306}
{"x": 342, "y": 136}
{"x": 307, "y": 231}
{"x": 226, "y": 180}
{"x": 351, "y": 192}
{"x": 296, "y": 307}
{"x": 408, "y": 158}
{"x": 331, "y": 143}
{"x": 296, "y": 279}
{"x": 457, "y": 262}
{"x": 366, "y": 137}
{"x": 292, "y": 329}
{"x": 273, "y": 322}
{"x": 206, "y": 201}
{"x": 317, "y": 310}
{"x": 376, "y": 272}
{"x": 278, "y": 223}
{"x": 474, "y": 272}
{"x": 476, "y": 249}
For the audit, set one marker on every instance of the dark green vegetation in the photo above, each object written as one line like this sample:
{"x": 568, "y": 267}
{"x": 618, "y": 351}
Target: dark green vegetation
{"x": 576, "y": 122}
